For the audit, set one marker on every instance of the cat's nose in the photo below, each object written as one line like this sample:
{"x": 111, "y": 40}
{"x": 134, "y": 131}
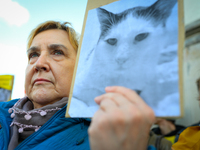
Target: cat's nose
{"x": 121, "y": 60}
{"x": 122, "y": 54}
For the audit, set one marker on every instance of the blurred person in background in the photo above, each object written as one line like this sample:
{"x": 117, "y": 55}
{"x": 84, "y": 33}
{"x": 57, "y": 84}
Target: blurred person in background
{"x": 167, "y": 128}
{"x": 189, "y": 138}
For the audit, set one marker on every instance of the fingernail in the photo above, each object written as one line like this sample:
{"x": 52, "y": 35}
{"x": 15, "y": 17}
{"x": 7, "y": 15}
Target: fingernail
{"x": 97, "y": 98}
{"x": 108, "y": 88}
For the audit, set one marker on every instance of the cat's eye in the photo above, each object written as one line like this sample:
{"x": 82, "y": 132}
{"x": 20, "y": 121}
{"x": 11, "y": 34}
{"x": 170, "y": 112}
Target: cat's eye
{"x": 141, "y": 36}
{"x": 111, "y": 41}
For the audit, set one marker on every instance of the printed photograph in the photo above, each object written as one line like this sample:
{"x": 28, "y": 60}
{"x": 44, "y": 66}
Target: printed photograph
{"x": 131, "y": 43}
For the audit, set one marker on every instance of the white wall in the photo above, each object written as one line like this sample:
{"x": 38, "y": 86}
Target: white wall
{"x": 191, "y": 67}
{"x": 192, "y": 11}
{"x": 191, "y": 72}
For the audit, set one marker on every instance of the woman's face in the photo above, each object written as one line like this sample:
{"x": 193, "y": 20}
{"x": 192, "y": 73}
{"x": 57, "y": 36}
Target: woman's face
{"x": 51, "y": 61}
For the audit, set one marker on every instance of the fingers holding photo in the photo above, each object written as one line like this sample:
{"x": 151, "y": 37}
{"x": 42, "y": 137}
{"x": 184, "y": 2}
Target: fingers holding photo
{"x": 125, "y": 99}
{"x": 120, "y": 119}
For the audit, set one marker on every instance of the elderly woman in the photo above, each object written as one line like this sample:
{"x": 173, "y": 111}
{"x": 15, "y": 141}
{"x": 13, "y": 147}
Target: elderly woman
{"x": 38, "y": 121}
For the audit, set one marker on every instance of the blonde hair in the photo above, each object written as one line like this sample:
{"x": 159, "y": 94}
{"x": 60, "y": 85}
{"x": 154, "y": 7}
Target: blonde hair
{"x": 73, "y": 36}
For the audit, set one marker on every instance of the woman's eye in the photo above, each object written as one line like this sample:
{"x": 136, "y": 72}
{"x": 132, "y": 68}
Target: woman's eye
{"x": 58, "y": 52}
{"x": 141, "y": 37}
{"x": 112, "y": 41}
{"x": 32, "y": 55}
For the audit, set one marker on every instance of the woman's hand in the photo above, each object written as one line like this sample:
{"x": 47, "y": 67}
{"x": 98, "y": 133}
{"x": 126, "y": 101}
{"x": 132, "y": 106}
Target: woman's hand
{"x": 123, "y": 121}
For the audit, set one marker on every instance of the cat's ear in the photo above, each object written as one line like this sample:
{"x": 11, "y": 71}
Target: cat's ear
{"x": 106, "y": 19}
{"x": 161, "y": 9}
{"x": 104, "y": 16}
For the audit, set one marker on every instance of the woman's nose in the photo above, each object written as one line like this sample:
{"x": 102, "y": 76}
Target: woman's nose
{"x": 42, "y": 63}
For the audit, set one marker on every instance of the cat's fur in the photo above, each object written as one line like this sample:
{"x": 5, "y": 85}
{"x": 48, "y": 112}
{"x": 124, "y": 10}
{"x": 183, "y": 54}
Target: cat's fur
{"x": 127, "y": 52}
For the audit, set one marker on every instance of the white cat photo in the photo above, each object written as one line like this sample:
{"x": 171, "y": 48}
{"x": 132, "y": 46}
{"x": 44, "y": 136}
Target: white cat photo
{"x": 131, "y": 43}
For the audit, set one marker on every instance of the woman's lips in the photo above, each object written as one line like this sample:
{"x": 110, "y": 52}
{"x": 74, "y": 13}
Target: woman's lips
{"x": 40, "y": 81}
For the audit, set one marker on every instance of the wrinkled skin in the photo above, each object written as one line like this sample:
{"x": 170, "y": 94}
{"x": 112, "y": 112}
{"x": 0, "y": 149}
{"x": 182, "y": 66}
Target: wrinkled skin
{"x": 51, "y": 60}
{"x": 122, "y": 122}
